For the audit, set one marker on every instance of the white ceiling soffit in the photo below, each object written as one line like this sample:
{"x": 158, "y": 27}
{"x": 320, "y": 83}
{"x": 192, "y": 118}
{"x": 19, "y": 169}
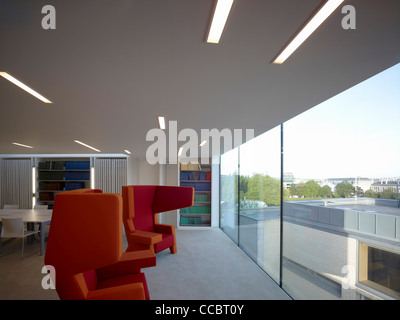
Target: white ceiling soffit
{"x": 112, "y": 67}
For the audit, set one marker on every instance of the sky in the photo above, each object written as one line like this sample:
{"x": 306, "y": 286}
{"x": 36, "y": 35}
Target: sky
{"x": 354, "y": 134}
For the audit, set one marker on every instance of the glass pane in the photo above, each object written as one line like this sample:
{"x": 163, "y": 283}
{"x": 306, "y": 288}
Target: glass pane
{"x": 341, "y": 168}
{"x": 259, "y": 192}
{"x": 229, "y": 194}
{"x": 384, "y": 270}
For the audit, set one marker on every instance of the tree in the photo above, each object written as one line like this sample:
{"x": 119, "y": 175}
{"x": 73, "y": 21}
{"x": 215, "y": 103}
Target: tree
{"x": 293, "y": 190}
{"x": 264, "y": 188}
{"x": 254, "y": 187}
{"x": 244, "y": 181}
{"x": 286, "y": 194}
{"x": 301, "y": 189}
{"x": 312, "y": 189}
{"x": 271, "y": 191}
{"x": 371, "y": 194}
{"x": 387, "y": 194}
{"x": 359, "y": 192}
{"x": 344, "y": 189}
{"x": 326, "y": 192}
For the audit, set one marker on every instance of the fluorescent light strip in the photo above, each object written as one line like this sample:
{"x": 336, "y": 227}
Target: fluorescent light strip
{"x": 33, "y": 180}
{"x": 127, "y": 151}
{"x": 203, "y": 143}
{"x": 311, "y": 26}
{"x": 87, "y": 146}
{"x": 92, "y": 175}
{"x": 33, "y": 187}
{"x": 161, "y": 121}
{"x": 180, "y": 151}
{"x": 221, "y": 14}
{"x": 22, "y": 145}
{"x": 18, "y": 83}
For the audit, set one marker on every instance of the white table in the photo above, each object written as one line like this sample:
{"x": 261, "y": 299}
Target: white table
{"x": 30, "y": 215}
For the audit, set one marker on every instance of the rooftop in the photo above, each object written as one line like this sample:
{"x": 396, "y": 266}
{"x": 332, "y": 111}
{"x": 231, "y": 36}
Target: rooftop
{"x": 367, "y": 218}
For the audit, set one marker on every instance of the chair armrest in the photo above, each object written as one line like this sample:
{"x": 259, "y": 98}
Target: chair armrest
{"x": 133, "y": 291}
{"x": 130, "y": 262}
{"x": 144, "y": 258}
{"x": 144, "y": 237}
{"x": 164, "y": 228}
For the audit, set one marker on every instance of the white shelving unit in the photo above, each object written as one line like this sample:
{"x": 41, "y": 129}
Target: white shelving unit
{"x": 197, "y": 176}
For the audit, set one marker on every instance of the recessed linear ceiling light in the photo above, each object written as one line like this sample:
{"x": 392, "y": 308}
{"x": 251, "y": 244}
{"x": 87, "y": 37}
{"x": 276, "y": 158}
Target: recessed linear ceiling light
{"x": 203, "y": 143}
{"x": 87, "y": 146}
{"x": 18, "y": 83}
{"x": 325, "y": 11}
{"x": 161, "y": 121}
{"x": 22, "y": 145}
{"x": 221, "y": 14}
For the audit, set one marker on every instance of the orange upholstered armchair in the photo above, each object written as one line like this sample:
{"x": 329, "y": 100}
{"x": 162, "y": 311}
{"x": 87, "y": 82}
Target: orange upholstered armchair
{"x": 85, "y": 248}
{"x": 140, "y": 207}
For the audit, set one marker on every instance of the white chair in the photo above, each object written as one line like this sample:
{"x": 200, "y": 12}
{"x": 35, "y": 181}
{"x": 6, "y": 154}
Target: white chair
{"x": 11, "y": 206}
{"x": 14, "y": 228}
{"x": 40, "y": 207}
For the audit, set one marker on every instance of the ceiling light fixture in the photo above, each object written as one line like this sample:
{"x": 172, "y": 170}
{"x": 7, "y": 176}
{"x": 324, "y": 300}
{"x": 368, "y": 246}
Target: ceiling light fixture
{"x": 127, "y": 151}
{"x": 161, "y": 122}
{"x": 325, "y": 11}
{"x": 87, "y": 146}
{"x": 18, "y": 83}
{"x": 92, "y": 176}
{"x": 180, "y": 151}
{"x": 22, "y": 145}
{"x": 203, "y": 143}
{"x": 220, "y": 17}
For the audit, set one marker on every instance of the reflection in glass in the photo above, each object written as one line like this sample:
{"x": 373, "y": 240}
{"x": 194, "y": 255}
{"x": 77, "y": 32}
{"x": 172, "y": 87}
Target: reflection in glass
{"x": 259, "y": 192}
{"x": 229, "y": 194}
{"x": 383, "y": 271}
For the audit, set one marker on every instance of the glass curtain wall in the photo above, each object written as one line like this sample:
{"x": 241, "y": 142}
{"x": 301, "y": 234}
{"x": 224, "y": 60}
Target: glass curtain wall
{"x": 229, "y": 207}
{"x": 259, "y": 200}
{"x": 325, "y": 224}
{"x": 336, "y": 154}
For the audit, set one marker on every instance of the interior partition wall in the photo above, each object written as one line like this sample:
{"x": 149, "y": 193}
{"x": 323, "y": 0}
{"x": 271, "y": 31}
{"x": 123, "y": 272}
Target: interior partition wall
{"x": 315, "y": 201}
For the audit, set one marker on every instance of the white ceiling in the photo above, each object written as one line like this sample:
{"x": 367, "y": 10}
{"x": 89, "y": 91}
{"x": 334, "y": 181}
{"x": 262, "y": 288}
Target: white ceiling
{"x": 111, "y": 67}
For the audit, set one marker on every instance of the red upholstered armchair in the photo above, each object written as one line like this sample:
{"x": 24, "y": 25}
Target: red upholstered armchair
{"x": 140, "y": 207}
{"x": 85, "y": 248}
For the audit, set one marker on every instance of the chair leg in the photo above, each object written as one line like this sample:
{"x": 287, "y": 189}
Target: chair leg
{"x": 22, "y": 255}
{"x": 173, "y": 249}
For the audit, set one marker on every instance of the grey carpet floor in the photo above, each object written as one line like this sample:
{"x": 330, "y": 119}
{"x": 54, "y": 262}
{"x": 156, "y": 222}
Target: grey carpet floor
{"x": 207, "y": 266}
